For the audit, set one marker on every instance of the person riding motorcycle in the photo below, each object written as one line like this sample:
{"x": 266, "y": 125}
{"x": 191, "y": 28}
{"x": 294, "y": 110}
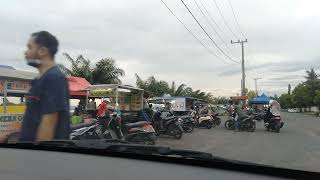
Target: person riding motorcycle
{"x": 272, "y": 111}
{"x": 239, "y": 114}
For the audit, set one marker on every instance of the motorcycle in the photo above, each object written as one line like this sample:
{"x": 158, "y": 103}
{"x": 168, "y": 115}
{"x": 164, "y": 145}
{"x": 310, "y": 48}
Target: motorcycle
{"x": 204, "y": 121}
{"x": 272, "y": 117}
{"x": 274, "y": 124}
{"x": 85, "y": 131}
{"x": 215, "y": 119}
{"x": 246, "y": 123}
{"x": 140, "y": 132}
{"x": 170, "y": 126}
{"x": 187, "y": 123}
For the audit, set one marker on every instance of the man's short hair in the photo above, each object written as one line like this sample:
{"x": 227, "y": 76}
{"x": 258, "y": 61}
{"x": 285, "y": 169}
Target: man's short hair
{"x": 45, "y": 39}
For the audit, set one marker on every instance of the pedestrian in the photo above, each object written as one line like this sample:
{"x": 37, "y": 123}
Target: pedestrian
{"x": 47, "y": 115}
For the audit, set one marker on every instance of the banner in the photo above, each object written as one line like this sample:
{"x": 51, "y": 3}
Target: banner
{"x": 101, "y": 92}
{"x": 9, "y": 123}
{"x": 15, "y": 85}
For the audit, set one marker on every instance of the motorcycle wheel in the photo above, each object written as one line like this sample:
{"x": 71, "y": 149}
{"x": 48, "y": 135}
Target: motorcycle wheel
{"x": 209, "y": 125}
{"x": 251, "y": 126}
{"x": 278, "y": 126}
{"x": 229, "y": 124}
{"x": 176, "y": 132}
{"x": 188, "y": 127}
{"x": 149, "y": 141}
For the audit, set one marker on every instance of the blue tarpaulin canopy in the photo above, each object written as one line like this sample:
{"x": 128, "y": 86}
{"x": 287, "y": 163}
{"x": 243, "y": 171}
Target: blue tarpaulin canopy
{"x": 263, "y": 99}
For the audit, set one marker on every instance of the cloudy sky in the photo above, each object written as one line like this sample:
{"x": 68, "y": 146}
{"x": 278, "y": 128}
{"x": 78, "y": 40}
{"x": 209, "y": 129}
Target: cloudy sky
{"x": 145, "y": 38}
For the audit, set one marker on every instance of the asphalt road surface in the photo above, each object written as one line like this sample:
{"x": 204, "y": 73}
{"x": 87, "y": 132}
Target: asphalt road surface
{"x": 297, "y": 146}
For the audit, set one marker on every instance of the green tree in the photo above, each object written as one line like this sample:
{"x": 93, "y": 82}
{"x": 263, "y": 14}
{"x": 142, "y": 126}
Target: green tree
{"x": 286, "y": 101}
{"x": 301, "y": 97}
{"x": 159, "y": 88}
{"x": 80, "y": 67}
{"x": 220, "y": 100}
{"x": 251, "y": 94}
{"x": 107, "y": 72}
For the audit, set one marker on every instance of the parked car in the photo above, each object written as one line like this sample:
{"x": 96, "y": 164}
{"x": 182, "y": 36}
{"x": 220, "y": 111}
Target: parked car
{"x": 293, "y": 110}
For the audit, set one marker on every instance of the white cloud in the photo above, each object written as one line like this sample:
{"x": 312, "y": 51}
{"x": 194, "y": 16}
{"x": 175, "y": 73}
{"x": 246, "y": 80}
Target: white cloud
{"x": 143, "y": 37}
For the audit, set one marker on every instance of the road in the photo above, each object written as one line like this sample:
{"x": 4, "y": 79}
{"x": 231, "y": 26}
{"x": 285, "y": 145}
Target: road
{"x": 297, "y": 146}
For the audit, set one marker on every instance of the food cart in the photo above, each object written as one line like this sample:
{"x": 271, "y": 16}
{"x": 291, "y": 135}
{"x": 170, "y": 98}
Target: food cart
{"x": 14, "y": 84}
{"x": 127, "y": 99}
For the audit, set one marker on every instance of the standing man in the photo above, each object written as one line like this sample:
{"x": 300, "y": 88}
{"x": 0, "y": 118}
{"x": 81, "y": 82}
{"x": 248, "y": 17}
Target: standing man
{"x": 47, "y": 113}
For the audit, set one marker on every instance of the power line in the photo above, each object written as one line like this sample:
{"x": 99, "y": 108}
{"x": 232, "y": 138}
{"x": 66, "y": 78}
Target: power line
{"x": 211, "y": 25}
{"x": 211, "y": 17}
{"x": 193, "y": 34}
{"x": 207, "y": 33}
{"x": 235, "y": 17}
{"x": 224, "y": 20}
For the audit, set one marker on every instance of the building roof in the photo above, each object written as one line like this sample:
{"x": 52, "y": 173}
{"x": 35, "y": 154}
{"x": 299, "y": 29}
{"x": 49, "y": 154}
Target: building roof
{"x": 113, "y": 86}
{"x": 8, "y": 73}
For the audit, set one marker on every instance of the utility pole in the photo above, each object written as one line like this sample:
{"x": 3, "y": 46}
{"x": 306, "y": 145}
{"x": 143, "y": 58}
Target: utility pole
{"x": 256, "y": 86}
{"x": 242, "y": 66}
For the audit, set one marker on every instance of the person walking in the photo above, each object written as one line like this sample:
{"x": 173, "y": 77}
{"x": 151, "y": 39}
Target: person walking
{"x": 47, "y": 112}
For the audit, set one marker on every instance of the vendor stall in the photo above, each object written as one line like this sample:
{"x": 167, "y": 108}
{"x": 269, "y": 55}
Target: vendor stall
{"x": 14, "y": 84}
{"x": 122, "y": 97}
{"x": 263, "y": 99}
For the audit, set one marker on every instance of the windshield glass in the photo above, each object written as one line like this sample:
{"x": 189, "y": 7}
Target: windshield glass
{"x": 237, "y": 79}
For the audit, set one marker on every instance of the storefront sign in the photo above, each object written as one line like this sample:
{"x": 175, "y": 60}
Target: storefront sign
{"x": 101, "y": 92}
{"x": 9, "y": 123}
{"x": 16, "y": 85}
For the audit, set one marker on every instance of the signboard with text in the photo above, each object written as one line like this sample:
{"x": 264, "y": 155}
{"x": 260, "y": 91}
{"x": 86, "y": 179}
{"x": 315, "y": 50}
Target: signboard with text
{"x": 9, "y": 123}
{"x": 16, "y": 85}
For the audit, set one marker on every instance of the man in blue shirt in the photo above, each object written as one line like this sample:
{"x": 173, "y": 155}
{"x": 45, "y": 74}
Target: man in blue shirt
{"x": 47, "y": 113}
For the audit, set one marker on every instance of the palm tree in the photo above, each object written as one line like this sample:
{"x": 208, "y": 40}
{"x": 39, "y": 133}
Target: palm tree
{"x": 107, "y": 72}
{"x": 104, "y": 72}
{"x": 180, "y": 91}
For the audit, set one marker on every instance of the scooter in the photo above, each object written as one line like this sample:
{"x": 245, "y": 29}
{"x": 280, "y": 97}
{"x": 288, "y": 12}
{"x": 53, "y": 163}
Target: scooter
{"x": 140, "y": 132}
{"x": 170, "y": 126}
{"x": 203, "y": 121}
{"x": 85, "y": 131}
{"x": 187, "y": 123}
{"x": 215, "y": 119}
{"x": 246, "y": 123}
{"x": 274, "y": 124}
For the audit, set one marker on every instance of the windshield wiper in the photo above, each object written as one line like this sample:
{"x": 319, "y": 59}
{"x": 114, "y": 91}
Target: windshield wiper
{"x": 120, "y": 146}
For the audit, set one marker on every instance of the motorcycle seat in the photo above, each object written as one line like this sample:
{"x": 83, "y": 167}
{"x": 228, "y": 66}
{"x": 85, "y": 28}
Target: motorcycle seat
{"x": 169, "y": 118}
{"x": 82, "y": 125}
{"x": 137, "y": 124}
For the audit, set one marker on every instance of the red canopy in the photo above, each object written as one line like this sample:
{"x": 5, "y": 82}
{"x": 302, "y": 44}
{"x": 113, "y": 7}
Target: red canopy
{"x": 77, "y": 86}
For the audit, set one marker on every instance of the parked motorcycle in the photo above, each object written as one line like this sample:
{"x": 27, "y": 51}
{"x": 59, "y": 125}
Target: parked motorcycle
{"x": 85, "y": 131}
{"x": 215, "y": 119}
{"x": 203, "y": 121}
{"x": 187, "y": 123}
{"x": 170, "y": 126}
{"x": 140, "y": 132}
{"x": 246, "y": 124}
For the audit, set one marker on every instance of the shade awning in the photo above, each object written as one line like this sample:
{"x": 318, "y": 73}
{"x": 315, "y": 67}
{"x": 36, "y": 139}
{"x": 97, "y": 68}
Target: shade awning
{"x": 263, "y": 99}
{"x": 78, "y": 86}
